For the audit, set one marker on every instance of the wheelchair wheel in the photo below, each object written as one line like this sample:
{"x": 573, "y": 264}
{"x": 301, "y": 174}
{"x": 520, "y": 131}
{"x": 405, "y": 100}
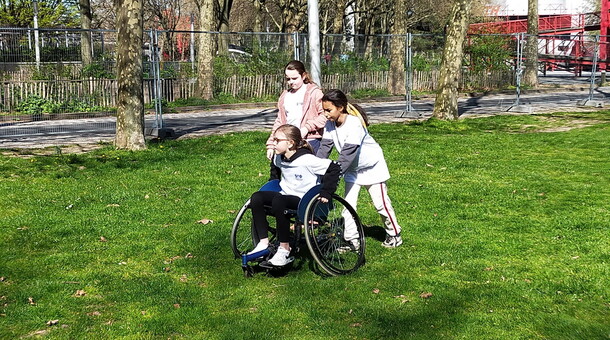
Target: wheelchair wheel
{"x": 243, "y": 237}
{"x": 324, "y": 229}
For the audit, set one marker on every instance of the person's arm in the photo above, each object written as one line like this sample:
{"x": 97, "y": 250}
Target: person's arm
{"x": 317, "y": 120}
{"x": 274, "y": 171}
{"x": 326, "y": 146}
{"x": 348, "y": 155}
{"x": 330, "y": 180}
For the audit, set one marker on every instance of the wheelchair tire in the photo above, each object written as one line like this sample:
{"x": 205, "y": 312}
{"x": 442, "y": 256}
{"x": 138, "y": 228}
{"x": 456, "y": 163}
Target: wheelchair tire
{"x": 243, "y": 237}
{"x": 324, "y": 229}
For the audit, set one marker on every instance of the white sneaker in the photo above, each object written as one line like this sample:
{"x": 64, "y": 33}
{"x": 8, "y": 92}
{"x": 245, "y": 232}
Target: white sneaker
{"x": 281, "y": 258}
{"x": 260, "y": 246}
{"x": 353, "y": 245}
{"x": 392, "y": 241}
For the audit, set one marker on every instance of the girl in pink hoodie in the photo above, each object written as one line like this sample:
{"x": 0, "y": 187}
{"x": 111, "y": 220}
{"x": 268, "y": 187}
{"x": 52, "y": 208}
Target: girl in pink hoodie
{"x": 300, "y": 105}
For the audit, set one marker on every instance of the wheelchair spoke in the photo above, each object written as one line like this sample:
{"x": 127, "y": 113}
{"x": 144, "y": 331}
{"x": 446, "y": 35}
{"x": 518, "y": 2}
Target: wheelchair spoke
{"x": 325, "y": 237}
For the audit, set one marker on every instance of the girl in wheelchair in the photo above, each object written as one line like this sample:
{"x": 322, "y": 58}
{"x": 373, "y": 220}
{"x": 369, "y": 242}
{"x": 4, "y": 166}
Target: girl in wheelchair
{"x": 298, "y": 170}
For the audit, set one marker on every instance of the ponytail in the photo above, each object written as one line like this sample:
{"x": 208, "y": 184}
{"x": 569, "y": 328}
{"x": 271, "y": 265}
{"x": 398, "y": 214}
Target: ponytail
{"x": 294, "y": 134}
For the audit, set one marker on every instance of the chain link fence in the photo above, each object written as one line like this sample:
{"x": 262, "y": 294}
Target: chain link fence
{"x": 42, "y": 76}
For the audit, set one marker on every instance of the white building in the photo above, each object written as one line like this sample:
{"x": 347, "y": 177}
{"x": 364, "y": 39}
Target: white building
{"x": 513, "y": 8}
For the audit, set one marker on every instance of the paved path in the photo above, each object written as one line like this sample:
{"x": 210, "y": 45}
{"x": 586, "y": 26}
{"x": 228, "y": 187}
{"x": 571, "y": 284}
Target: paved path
{"x": 92, "y": 131}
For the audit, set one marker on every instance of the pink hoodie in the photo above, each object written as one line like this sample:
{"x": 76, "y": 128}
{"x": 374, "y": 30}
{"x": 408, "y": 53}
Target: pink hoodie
{"x": 313, "y": 114}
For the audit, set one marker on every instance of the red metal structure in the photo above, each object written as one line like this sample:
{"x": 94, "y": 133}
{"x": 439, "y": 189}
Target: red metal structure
{"x": 562, "y": 41}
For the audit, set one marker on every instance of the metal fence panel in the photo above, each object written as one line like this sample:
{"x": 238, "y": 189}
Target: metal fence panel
{"x": 249, "y": 66}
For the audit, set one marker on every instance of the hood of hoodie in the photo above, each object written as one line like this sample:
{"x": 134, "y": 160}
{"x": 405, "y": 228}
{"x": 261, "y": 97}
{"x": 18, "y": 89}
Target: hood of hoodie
{"x": 300, "y": 152}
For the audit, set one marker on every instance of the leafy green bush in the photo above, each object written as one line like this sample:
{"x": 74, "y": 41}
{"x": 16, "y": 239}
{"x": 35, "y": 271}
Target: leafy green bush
{"x": 488, "y": 52}
{"x": 351, "y": 63}
{"x": 98, "y": 70}
{"x": 36, "y": 105}
{"x": 32, "y": 105}
{"x": 368, "y": 93}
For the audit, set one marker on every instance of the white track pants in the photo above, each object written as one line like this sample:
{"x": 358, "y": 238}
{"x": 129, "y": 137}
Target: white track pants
{"x": 381, "y": 200}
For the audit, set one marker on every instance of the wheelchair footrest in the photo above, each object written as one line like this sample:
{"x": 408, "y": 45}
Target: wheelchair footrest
{"x": 245, "y": 258}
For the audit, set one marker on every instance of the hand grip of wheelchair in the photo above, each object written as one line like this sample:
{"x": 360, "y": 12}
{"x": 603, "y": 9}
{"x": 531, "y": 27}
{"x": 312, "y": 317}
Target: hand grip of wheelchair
{"x": 245, "y": 258}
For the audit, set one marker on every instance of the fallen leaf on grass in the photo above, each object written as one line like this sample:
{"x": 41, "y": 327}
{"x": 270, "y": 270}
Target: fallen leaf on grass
{"x": 357, "y": 324}
{"x": 575, "y": 257}
{"x": 2, "y": 279}
{"x": 80, "y": 293}
{"x": 425, "y": 295}
{"x": 31, "y": 301}
{"x": 183, "y": 278}
{"x": 39, "y": 332}
{"x": 376, "y": 290}
{"x": 188, "y": 256}
{"x": 231, "y": 211}
{"x": 205, "y": 221}
{"x": 94, "y": 313}
{"x": 176, "y": 305}
{"x": 103, "y": 239}
{"x": 402, "y": 298}
{"x": 489, "y": 269}
{"x": 52, "y": 322}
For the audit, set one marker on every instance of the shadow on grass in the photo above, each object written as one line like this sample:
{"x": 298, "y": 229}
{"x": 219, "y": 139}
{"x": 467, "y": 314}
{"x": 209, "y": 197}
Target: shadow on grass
{"x": 375, "y": 232}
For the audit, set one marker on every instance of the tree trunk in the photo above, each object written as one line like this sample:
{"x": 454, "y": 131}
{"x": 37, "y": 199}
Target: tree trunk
{"x": 130, "y": 103}
{"x": 446, "y": 103}
{"x": 396, "y": 76}
{"x": 338, "y": 29}
{"x": 85, "y": 36}
{"x": 530, "y": 76}
{"x": 205, "y": 77}
{"x": 223, "y": 18}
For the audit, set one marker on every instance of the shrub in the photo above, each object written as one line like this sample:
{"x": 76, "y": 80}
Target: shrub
{"x": 32, "y": 105}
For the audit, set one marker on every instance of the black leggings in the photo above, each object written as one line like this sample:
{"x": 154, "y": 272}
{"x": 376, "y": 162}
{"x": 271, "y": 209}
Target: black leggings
{"x": 279, "y": 203}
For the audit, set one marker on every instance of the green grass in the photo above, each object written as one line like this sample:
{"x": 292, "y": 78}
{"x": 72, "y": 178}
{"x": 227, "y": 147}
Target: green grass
{"x": 506, "y": 226}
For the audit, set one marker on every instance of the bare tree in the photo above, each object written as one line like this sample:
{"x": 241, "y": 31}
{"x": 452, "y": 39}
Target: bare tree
{"x": 130, "y": 103}
{"x": 446, "y": 103}
{"x": 85, "y": 36}
{"x": 530, "y": 76}
{"x": 104, "y": 14}
{"x": 207, "y": 48}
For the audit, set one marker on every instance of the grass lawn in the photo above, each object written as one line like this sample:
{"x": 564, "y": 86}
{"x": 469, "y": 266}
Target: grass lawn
{"x": 506, "y": 222}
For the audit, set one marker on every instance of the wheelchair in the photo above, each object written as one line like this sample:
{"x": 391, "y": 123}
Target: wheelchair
{"x": 320, "y": 224}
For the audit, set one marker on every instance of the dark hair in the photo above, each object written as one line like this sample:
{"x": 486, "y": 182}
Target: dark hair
{"x": 293, "y": 133}
{"x": 299, "y": 67}
{"x": 339, "y": 99}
